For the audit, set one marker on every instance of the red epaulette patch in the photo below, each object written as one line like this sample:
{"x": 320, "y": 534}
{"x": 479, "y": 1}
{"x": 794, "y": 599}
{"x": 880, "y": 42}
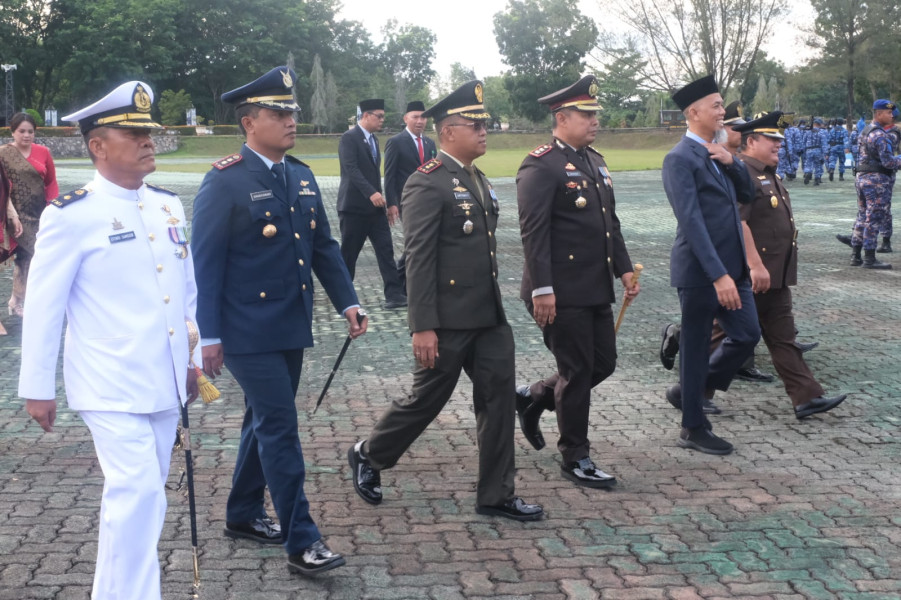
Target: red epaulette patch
{"x": 224, "y": 163}
{"x": 429, "y": 166}
{"x": 541, "y": 150}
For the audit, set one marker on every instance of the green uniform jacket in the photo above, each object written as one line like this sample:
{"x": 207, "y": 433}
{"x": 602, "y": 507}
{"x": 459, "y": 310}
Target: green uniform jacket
{"x": 450, "y": 249}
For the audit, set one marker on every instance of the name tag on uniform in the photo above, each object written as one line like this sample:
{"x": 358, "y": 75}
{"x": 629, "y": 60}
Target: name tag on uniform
{"x": 462, "y": 195}
{"x": 766, "y": 182}
{"x": 121, "y": 237}
{"x": 262, "y": 195}
{"x": 573, "y": 173}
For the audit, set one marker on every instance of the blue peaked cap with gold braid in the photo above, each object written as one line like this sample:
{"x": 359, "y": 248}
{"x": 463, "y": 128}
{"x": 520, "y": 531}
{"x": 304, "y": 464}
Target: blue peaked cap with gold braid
{"x": 274, "y": 90}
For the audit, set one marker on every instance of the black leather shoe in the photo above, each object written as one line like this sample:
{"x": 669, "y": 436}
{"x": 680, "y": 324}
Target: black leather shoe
{"x": 674, "y": 397}
{"x": 395, "y": 303}
{"x": 263, "y": 530}
{"x": 805, "y": 347}
{"x": 529, "y": 415}
{"x": 754, "y": 374}
{"x": 704, "y": 440}
{"x": 886, "y": 246}
{"x": 315, "y": 559}
{"x": 845, "y": 239}
{"x": 669, "y": 346}
{"x": 515, "y": 508}
{"x": 818, "y": 405}
{"x": 584, "y": 472}
{"x": 367, "y": 481}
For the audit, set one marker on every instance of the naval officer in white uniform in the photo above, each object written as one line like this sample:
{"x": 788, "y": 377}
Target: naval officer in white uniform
{"x": 113, "y": 258}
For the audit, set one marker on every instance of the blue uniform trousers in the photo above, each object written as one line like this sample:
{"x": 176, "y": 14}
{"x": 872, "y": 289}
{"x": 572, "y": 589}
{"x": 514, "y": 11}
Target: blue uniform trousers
{"x": 874, "y": 197}
{"x": 836, "y": 155}
{"x": 699, "y": 370}
{"x": 269, "y": 451}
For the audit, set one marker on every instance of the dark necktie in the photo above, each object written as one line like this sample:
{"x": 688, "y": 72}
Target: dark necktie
{"x": 419, "y": 147}
{"x": 278, "y": 171}
{"x": 475, "y": 180}
{"x": 372, "y": 147}
{"x": 583, "y": 154}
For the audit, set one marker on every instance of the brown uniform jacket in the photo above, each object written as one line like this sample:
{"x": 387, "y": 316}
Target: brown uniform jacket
{"x": 573, "y": 246}
{"x": 772, "y": 223}
{"x": 450, "y": 249}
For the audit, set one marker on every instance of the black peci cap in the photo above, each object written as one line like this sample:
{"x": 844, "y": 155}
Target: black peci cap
{"x": 694, "y": 91}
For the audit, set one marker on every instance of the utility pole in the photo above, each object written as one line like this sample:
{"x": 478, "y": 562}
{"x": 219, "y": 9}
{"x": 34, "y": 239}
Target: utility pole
{"x": 9, "y": 104}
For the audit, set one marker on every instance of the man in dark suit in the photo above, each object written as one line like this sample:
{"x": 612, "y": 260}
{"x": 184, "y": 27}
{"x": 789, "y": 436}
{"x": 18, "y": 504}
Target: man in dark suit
{"x": 259, "y": 233}
{"x": 362, "y": 210}
{"x": 771, "y": 246}
{"x": 404, "y": 153}
{"x": 703, "y": 181}
{"x": 451, "y": 214}
{"x": 573, "y": 251}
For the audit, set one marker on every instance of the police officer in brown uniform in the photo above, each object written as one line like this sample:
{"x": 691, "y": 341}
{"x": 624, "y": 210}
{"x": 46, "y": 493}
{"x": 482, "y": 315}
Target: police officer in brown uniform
{"x": 455, "y": 313}
{"x": 573, "y": 251}
{"x": 770, "y": 238}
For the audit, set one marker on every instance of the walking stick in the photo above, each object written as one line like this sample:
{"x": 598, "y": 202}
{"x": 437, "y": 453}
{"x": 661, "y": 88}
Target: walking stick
{"x": 628, "y": 301}
{"x": 193, "y": 340}
{"x": 361, "y": 314}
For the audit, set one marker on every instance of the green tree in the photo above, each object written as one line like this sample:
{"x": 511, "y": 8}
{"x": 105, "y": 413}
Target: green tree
{"x": 173, "y": 106}
{"x": 545, "y": 48}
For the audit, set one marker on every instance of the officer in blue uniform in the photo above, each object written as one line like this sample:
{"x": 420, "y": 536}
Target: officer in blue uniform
{"x": 784, "y": 168}
{"x": 816, "y": 147}
{"x": 260, "y": 232}
{"x": 796, "y": 135}
{"x": 876, "y": 168}
{"x": 839, "y": 144}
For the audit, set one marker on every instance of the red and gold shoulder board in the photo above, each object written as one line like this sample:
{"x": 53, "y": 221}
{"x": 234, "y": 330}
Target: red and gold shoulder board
{"x": 541, "y": 150}
{"x": 429, "y": 166}
{"x": 224, "y": 163}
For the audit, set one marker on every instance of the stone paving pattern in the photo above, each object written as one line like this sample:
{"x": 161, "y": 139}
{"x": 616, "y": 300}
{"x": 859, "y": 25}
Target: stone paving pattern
{"x": 804, "y": 509}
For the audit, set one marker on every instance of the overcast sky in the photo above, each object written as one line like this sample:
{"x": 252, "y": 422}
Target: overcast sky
{"x": 465, "y": 35}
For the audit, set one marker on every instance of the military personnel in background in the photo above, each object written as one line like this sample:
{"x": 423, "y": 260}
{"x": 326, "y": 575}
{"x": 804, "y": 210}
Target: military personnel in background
{"x": 798, "y": 142}
{"x": 816, "y": 147}
{"x": 854, "y": 148}
{"x": 875, "y": 177}
{"x": 885, "y": 232}
{"x": 839, "y": 144}
{"x": 784, "y": 169}
{"x": 770, "y": 240}
{"x": 574, "y": 251}
{"x": 456, "y": 313}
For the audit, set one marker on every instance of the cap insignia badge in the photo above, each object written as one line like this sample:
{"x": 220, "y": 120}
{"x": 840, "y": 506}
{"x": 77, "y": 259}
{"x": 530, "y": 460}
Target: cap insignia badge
{"x": 286, "y": 79}
{"x": 478, "y": 92}
{"x": 593, "y": 89}
{"x": 142, "y": 99}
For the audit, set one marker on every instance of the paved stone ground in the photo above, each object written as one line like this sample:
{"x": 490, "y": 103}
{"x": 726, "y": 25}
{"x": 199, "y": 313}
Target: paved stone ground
{"x": 801, "y": 509}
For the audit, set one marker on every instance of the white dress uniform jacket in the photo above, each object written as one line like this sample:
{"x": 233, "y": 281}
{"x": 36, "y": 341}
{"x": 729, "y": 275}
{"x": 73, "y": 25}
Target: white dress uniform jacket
{"x": 110, "y": 260}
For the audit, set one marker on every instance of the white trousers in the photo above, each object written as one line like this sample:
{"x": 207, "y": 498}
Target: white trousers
{"x": 134, "y": 451}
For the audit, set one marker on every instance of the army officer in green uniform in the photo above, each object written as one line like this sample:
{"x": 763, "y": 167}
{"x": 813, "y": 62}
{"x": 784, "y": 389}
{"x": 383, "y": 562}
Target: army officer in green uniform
{"x": 455, "y": 312}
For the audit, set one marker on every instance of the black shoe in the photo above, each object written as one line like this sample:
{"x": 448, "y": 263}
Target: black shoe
{"x": 395, "y": 303}
{"x": 807, "y": 177}
{"x": 584, "y": 472}
{"x": 754, "y": 374}
{"x": 529, "y": 414}
{"x": 841, "y": 176}
{"x": 871, "y": 262}
{"x": 845, "y": 239}
{"x": 367, "y": 481}
{"x": 263, "y": 530}
{"x": 856, "y": 259}
{"x": 791, "y": 176}
{"x": 805, "y": 347}
{"x": 818, "y": 405}
{"x": 817, "y": 181}
{"x": 515, "y": 508}
{"x": 674, "y": 396}
{"x": 710, "y": 408}
{"x": 669, "y": 346}
{"x": 315, "y": 559}
{"x": 885, "y": 247}
{"x": 704, "y": 440}
{"x": 831, "y": 175}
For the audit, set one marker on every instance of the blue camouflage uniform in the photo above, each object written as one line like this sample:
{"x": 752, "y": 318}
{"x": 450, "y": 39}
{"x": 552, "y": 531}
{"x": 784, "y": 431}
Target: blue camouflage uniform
{"x": 854, "y": 147}
{"x": 885, "y": 231}
{"x": 839, "y": 143}
{"x": 785, "y": 151}
{"x": 794, "y": 142}
{"x": 875, "y": 178}
{"x": 816, "y": 148}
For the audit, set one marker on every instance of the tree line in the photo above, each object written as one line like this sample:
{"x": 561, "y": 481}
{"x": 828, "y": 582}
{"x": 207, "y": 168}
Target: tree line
{"x": 191, "y": 51}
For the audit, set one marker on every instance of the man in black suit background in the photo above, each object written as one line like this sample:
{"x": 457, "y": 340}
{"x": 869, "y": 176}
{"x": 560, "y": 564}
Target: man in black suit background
{"x": 362, "y": 209}
{"x": 404, "y": 153}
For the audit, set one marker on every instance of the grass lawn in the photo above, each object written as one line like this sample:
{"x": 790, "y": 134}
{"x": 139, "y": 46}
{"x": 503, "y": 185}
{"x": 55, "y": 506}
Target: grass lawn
{"x": 624, "y": 151}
